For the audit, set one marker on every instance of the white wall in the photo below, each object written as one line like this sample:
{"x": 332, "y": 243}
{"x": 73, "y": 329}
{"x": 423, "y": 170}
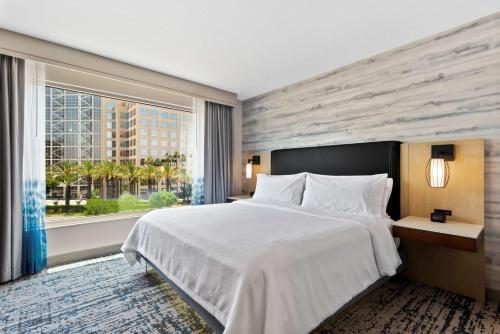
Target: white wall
{"x": 80, "y": 241}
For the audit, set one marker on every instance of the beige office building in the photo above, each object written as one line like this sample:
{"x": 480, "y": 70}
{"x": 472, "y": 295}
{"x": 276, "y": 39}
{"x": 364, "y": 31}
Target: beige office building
{"x": 84, "y": 127}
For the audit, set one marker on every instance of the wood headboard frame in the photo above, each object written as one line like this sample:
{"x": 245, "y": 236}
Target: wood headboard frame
{"x": 349, "y": 159}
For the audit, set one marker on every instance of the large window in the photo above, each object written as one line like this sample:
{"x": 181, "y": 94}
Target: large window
{"x": 103, "y": 155}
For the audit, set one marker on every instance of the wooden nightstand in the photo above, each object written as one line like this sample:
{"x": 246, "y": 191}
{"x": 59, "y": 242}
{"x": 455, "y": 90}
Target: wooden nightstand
{"x": 451, "y": 234}
{"x": 230, "y": 199}
{"x": 449, "y": 255}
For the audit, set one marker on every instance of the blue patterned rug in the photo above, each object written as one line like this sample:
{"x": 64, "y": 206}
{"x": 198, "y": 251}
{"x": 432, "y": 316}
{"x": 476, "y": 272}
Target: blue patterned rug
{"x": 107, "y": 296}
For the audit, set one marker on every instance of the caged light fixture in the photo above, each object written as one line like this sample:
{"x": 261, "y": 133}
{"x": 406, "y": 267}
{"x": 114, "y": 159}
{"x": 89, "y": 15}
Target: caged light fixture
{"x": 438, "y": 171}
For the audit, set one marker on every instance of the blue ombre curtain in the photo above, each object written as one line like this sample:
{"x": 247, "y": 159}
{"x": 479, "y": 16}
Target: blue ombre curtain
{"x": 34, "y": 239}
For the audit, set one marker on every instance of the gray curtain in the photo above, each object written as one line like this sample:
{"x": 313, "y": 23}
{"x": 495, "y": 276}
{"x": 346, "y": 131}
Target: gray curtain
{"x": 11, "y": 153}
{"x": 218, "y": 152}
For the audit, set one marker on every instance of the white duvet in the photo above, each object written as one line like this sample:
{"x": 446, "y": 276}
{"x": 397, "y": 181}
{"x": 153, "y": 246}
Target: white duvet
{"x": 261, "y": 268}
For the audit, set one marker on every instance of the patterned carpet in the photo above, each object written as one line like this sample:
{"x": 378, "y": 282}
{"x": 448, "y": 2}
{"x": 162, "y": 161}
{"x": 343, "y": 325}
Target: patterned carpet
{"x": 109, "y": 297}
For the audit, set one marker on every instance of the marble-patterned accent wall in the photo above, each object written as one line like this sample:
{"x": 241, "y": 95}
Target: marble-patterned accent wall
{"x": 443, "y": 87}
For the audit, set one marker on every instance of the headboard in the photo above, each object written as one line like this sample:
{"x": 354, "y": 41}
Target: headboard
{"x": 348, "y": 159}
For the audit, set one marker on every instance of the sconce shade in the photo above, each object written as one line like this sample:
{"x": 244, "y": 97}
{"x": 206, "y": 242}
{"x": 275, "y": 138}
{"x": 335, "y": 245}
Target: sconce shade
{"x": 437, "y": 173}
{"x": 248, "y": 170}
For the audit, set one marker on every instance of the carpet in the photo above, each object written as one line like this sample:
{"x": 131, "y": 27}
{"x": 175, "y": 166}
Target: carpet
{"x": 107, "y": 296}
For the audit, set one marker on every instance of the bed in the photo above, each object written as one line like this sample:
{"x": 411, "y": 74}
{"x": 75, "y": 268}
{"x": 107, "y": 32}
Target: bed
{"x": 268, "y": 267}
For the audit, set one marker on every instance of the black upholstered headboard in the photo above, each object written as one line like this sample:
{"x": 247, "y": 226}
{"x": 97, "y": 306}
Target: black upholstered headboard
{"x": 349, "y": 159}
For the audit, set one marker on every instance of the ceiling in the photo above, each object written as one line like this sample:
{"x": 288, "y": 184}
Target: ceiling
{"x": 246, "y": 47}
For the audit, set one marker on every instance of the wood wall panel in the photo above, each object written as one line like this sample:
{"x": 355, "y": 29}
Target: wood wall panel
{"x": 443, "y": 87}
{"x": 464, "y": 194}
{"x": 456, "y": 270}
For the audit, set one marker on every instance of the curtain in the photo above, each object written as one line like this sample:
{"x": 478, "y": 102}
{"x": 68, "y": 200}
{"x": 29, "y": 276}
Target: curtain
{"x": 34, "y": 256}
{"x": 11, "y": 153}
{"x": 22, "y": 168}
{"x": 218, "y": 152}
{"x": 199, "y": 152}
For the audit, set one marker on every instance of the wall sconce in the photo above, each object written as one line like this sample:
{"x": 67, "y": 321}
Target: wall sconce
{"x": 254, "y": 161}
{"x": 437, "y": 172}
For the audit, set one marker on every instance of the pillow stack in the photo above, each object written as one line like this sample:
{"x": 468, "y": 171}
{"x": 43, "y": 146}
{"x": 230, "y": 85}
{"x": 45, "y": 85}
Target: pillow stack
{"x": 359, "y": 194}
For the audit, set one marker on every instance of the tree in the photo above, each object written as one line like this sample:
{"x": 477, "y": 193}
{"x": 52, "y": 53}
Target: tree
{"x": 110, "y": 172}
{"x": 51, "y": 181}
{"x": 65, "y": 172}
{"x": 184, "y": 178}
{"x": 150, "y": 173}
{"x": 175, "y": 157}
{"x": 131, "y": 173}
{"x": 170, "y": 174}
{"x": 88, "y": 171}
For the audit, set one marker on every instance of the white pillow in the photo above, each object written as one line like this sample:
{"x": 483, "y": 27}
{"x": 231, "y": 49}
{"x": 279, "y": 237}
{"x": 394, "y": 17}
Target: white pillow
{"x": 280, "y": 188}
{"x": 387, "y": 196}
{"x": 361, "y": 194}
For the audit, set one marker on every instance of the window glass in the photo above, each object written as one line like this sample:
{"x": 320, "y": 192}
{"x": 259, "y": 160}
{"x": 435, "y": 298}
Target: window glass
{"x": 84, "y": 127}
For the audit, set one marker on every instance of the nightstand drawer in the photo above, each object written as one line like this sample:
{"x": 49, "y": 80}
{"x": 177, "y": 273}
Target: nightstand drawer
{"x": 436, "y": 238}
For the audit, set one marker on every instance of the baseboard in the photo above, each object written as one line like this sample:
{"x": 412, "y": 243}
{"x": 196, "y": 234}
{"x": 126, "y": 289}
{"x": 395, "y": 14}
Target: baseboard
{"x": 492, "y": 295}
{"x": 61, "y": 259}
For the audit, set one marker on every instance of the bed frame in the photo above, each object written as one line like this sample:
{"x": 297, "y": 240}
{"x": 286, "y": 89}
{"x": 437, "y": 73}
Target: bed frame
{"x": 350, "y": 159}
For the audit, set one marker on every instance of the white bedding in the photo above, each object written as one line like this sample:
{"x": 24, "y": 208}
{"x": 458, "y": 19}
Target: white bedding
{"x": 262, "y": 268}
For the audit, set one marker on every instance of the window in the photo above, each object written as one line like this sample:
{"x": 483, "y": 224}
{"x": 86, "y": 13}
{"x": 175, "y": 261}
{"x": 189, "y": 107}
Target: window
{"x": 84, "y": 127}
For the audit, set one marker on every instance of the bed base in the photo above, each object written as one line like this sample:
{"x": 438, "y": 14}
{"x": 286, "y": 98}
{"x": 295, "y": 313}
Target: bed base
{"x": 218, "y": 328}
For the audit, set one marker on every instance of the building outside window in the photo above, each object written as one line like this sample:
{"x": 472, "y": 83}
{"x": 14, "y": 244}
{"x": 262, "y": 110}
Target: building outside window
{"x": 82, "y": 129}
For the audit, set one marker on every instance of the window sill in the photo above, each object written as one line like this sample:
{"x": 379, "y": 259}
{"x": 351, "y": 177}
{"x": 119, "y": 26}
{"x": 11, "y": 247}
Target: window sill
{"x": 64, "y": 221}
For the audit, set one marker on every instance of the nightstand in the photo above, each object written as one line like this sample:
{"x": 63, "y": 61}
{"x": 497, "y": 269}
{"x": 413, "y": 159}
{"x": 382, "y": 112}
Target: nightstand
{"x": 230, "y": 199}
{"x": 447, "y": 255}
{"x": 451, "y": 234}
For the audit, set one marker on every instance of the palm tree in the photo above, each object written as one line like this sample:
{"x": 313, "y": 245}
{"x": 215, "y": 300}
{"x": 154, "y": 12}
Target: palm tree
{"x": 87, "y": 170}
{"x": 51, "y": 181}
{"x": 175, "y": 157}
{"x": 169, "y": 173}
{"x": 131, "y": 173}
{"x": 109, "y": 171}
{"x": 65, "y": 172}
{"x": 185, "y": 178}
{"x": 150, "y": 174}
